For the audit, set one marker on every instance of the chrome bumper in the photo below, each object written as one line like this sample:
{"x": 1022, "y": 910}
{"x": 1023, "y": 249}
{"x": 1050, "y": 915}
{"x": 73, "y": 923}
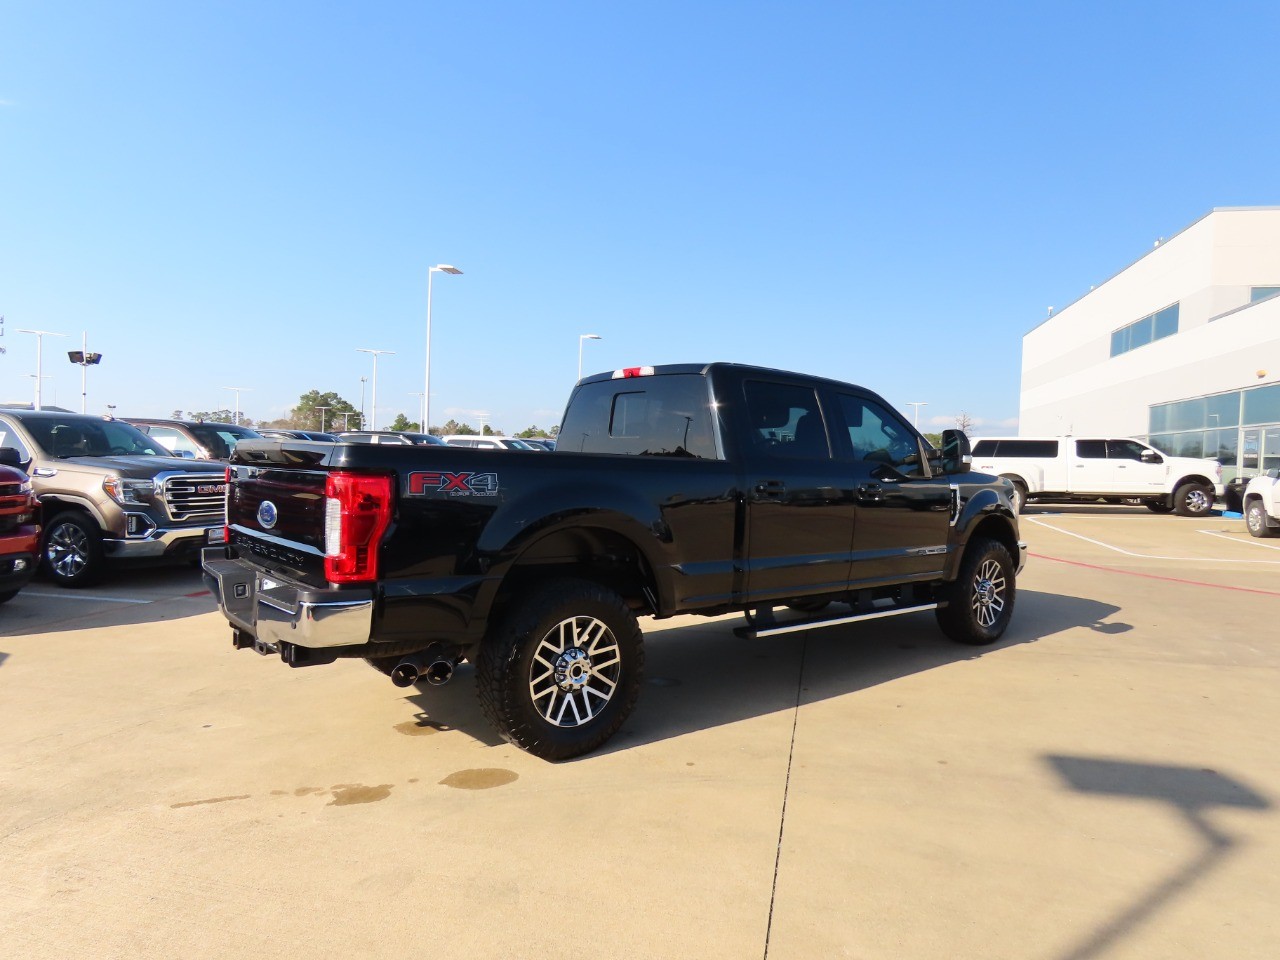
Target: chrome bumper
{"x": 158, "y": 543}
{"x": 277, "y": 612}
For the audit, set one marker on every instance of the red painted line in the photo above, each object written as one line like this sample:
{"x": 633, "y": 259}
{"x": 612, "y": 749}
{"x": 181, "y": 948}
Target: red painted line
{"x": 1154, "y": 576}
{"x": 202, "y": 593}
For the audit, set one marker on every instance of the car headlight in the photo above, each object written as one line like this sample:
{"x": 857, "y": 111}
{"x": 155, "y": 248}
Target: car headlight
{"x": 26, "y": 487}
{"x": 128, "y": 492}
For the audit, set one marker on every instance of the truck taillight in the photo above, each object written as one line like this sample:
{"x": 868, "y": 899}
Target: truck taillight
{"x": 626, "y": 373}
{"x": 357, "y": 512}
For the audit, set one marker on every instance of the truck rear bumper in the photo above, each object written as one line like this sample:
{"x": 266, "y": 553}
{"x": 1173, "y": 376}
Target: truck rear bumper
{"x": 276, "y": 611}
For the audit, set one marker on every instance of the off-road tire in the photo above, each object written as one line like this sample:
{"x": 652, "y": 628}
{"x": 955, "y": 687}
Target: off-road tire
{"x": 527, "y": 687}
{"x": 1193, "y": 500}
{"x": 979, "y": 603}
{"x": 71, "y": 550}
{"x": 8, "y": 595}
{"x": 1255, "y": 518}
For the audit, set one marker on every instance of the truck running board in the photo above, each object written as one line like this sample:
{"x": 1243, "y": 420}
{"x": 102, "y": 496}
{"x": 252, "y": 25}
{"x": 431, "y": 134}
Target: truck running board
{"x": 762, "y": 623}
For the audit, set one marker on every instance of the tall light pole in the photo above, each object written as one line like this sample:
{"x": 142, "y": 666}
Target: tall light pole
{"x": 363, "y": 381}
{"x": 373, "y": 392}
{"x": 426, "y": 380}
{"x": 40, "y": 335}
{"x": 322, "y": 410}
{"x": 581, "y": 339}
{"x": 917, "y": 404}
{"x": 237, "y": 392}
{"x": 420, "y": 396}
{"x": 85, "y": 359}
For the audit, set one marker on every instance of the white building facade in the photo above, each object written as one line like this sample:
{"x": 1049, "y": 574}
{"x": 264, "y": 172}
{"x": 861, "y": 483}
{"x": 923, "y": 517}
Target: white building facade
{"x": 1181, "y": 348}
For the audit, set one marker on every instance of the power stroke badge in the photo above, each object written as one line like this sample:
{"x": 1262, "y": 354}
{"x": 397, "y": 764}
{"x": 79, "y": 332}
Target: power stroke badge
{"x": 465, "y": 484}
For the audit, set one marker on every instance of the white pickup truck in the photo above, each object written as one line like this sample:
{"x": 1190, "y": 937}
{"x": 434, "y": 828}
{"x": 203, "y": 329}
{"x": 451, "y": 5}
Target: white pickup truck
{"x": 1262, "y": 504}
{"x": 1093, "y": 468}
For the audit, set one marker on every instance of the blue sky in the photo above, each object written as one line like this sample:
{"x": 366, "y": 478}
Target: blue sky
{"x": 243, "y": 194}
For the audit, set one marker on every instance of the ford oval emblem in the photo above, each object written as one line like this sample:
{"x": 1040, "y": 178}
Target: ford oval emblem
{"x": 267, "y": 514}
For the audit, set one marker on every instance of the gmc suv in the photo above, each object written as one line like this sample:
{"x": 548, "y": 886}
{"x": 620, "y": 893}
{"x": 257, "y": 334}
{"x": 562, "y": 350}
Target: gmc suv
{"x": 108, "y": 492}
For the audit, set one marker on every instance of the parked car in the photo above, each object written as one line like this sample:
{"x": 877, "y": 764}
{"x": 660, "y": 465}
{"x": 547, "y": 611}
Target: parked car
{"x": 540, "y": 443}
{"x": 398, "y": 437}
{"x": 731, "y": 488}
{"x": 275, "y": 433}
{"x": 19, "y": 529}
{"x": 1093, "y": 468}
{"x": 487, "y": 442}
{"x": 109, "y": 492}
{"x": 194, "y": 439}
{"x": 1262, "y": 504}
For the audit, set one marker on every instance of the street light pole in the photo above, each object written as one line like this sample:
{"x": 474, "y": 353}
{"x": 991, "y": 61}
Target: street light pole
{"x": 363, "y": 381}
{"x": 373, "y": 391}
{"x": 85, "y": 359}
{"x": 40, "y": 335}
{"x": 237, "y": 392}
{"x": 426, "y": 380}
{"x": 917, "y": 404}
{"x": 322, "y": 410}
{"x": 581, "y": 338}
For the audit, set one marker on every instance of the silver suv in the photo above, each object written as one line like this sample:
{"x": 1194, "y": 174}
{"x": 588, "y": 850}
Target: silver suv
{"x": 108, "y": 492}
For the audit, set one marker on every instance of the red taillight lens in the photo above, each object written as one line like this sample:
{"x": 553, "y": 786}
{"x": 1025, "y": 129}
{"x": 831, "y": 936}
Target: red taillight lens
{"x": 357, "y": 514}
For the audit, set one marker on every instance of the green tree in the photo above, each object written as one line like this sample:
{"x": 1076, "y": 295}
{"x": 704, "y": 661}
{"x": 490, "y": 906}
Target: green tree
{"x": 403, "y": 423}
{"x": 307, "y": 415}
{"x": 454, "y": 428}
{"x": 935, "y": 440}
{"x": 534, "y": 431}
{"x": 213, "y": 416}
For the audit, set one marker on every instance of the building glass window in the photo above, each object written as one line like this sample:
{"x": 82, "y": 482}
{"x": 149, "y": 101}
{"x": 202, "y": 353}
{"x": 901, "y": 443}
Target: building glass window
{"x": 1262, "y": 293}
{"x": 1262, "y": 405}
{"x": 1154, "y": 326}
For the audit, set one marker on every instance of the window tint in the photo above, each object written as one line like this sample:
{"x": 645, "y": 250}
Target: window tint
{"x": 9, "y": 438}
{"x": 786, "y": 421}
{"x": 665, "y": 415}
{"x": 179, "y": 443}
{"x": 875, "y": 433}
{"x": 1125, "y": 450}
{"x": 1032, "y": 449}
{"x": 1091, "y": 449}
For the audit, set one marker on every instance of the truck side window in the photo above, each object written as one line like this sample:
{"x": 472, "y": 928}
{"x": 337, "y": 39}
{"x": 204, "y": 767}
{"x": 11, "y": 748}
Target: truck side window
{"x": 1125, "y": 450}
{"x": 875, "y": 434}
{"x": 9, "y": 438}
{"x": 179, "y": 443}
{"x": 662, "y": 416}
{"x": 786, "y": 421}
{"x": 1091, "y": 449}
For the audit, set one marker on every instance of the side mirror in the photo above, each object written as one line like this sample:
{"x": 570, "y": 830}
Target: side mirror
{"x": 957, "y": 455}
{"x": 10, "y": 457}
{"x": 1150, "y": 456}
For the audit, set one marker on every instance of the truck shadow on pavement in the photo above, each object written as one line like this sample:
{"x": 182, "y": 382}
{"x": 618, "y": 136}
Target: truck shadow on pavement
{"x": 701, "y": 676}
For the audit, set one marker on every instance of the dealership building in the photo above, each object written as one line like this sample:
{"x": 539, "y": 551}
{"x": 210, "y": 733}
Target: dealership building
{"x": 1180, "y": 348}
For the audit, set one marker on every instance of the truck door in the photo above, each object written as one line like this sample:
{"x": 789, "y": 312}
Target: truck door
{"x": 799, "y": 503}
{"x": 1090, "y": 470}
{"x": 1131, "y": 473}
{"x": 903, "y": 514}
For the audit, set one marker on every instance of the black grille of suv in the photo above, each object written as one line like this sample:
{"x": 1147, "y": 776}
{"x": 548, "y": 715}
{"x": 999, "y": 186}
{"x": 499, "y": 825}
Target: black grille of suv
{"x": 195, "y": 496}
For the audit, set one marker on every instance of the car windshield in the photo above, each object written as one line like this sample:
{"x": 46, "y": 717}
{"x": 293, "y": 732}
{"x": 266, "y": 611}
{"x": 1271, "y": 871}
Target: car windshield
{"x": 89, "y": 437}
{"x": 220, "y": 438}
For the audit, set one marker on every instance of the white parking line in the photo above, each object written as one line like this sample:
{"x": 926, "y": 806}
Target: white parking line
{"x": 1251, "y": 542}
{"x": 1144, "y": 556}
{"x": 68, "y": 595}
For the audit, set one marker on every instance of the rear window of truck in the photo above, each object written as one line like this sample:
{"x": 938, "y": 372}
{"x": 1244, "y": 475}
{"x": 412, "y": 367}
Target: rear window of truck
{"x": 662, "y": 416}
{"x": 1028, "y": 449}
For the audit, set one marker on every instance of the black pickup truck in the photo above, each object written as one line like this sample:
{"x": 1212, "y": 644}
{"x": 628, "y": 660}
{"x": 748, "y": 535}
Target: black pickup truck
{"x": 682, "y": 489}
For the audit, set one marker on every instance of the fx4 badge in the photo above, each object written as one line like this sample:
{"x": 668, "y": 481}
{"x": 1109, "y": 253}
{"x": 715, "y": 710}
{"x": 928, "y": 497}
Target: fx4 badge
{"x": 423, "y": 482}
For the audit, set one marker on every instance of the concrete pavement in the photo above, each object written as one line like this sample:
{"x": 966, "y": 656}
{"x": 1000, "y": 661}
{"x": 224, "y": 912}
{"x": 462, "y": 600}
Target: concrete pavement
{"x": 1102, "y": 783}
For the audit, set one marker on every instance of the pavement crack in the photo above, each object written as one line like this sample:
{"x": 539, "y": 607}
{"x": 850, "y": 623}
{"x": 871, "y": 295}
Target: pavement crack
{"x": 786, "y": 790}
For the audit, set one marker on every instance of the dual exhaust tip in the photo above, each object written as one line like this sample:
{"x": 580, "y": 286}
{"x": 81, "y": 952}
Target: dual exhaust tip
{"x": 428, "y": 666}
